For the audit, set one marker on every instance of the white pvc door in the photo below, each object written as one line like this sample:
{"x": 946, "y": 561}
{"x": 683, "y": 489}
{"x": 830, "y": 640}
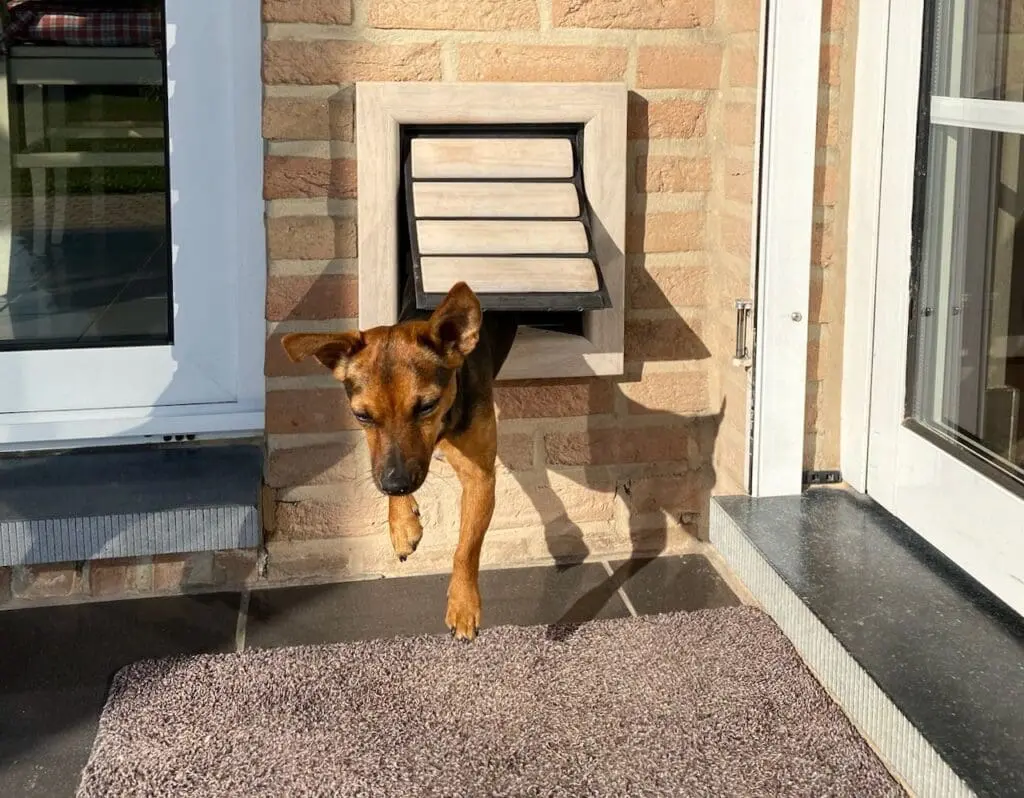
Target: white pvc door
{"x": 946, "y": 448}
{"x": 131, "y": 258}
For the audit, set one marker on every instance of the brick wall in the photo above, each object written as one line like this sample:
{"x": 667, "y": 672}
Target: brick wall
{"x": 587, "y": 466}
{"x": 828, "y": 248}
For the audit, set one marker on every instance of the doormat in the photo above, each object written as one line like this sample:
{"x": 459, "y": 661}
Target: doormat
{"x": 708, "y": 703}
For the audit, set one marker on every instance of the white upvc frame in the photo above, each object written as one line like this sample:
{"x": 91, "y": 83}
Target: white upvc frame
{"x": 946, "y": 501}
{"x": 381, "y": 109}
{"x": 228, "y": 392}
{"x": 792, "y": 30}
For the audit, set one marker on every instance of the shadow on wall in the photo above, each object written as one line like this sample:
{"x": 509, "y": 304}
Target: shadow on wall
{"x": 645, "y": 451}
{"x": 650, "y": 442}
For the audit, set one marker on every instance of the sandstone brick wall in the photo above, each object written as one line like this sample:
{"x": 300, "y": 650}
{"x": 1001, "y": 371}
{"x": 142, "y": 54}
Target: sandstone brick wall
{"x": 828, "y": 249}
{"x": 588, "y": 466}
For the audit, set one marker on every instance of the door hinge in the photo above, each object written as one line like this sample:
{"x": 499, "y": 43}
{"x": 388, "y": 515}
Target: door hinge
{"x": 744, "y": 327}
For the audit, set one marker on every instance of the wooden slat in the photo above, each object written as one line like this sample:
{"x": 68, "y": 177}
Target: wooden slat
{"x": 491, "y": 158}
{"x": 547, "y": 200}
{"x": 473, "y": 237}
{"x": 510, "y": 275}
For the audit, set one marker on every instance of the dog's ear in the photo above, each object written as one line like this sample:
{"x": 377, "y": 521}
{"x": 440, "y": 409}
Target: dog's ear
{"x": 333, "y": 350}
{"x": 455, "y": 325}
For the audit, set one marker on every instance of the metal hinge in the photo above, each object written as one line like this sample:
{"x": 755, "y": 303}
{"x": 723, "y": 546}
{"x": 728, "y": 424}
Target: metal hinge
{"x": 744, "y": 327}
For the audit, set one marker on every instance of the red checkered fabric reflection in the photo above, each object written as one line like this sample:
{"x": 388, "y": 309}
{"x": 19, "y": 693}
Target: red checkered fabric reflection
{"x": 56, "y": 22}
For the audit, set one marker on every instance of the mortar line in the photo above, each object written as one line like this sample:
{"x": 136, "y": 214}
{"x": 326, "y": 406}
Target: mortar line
{"x": 242, "y": 620}
{"x": 621, "y": 590}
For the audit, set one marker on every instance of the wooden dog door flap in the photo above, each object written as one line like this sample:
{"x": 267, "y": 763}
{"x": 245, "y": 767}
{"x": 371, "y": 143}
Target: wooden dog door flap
{"x": 504, "y": 209}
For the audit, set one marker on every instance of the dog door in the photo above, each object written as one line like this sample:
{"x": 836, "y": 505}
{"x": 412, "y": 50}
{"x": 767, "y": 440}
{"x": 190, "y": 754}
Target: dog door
{"x": 503, "y": 208}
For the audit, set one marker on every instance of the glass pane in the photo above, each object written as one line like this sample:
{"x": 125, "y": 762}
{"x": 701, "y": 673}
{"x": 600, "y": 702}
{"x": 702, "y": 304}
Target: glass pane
{"x": 969, "y": 373}
{"x": 979, "y": 49}
{"x": 84, "y": 220}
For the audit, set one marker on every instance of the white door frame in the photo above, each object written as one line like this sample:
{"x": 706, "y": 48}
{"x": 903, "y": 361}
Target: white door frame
{"x": 792, "y": 34}
{"x": 233, "y": 402}
{"x": 944, "y": 500}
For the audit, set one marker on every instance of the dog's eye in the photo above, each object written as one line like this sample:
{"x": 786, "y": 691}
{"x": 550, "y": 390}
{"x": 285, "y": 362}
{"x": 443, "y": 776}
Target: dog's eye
{"x": 362, "y": 417}
{"x": 426, "y": 408}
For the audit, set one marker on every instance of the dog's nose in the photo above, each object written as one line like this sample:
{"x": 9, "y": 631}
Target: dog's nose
{"x": 396, "y": 483}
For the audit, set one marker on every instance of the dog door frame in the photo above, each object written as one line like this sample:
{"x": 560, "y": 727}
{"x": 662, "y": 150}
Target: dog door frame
{"x": 381, "y": 111}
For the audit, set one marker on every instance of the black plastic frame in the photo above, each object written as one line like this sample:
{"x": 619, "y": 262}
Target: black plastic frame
{"x": 533, "y": 302}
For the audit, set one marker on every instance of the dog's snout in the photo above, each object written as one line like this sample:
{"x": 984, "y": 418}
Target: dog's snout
{"x": 395, "y": 482}
{"x": 397, "y": 477}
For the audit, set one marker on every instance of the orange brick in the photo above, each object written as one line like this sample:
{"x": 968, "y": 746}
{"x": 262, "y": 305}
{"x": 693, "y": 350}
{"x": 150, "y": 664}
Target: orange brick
{"x": 314, "y": 520}
{"x": 290, "y": 177}
{"x": 682, "y": 393}
{"x": 666, "y": 119}
{"x": 321, "y": 12}
{"x": 175, "y": 573}
{"x": 235, "y": 567}
{"x": 308, "y": 118}
{"x": 833, "y": 14}
{"x": 660, "y": 288}
{"x": 827, "y": 130}
{"x": 553, "y": 399}
{"x": 739, "y": 180}
{"x": 822, "y": 246}
{"x": 455, "y": 14}
{"x": 325, "y": 61}
{"x": 319, "y": 410}
{"x": 743, "y": 67}
{"x": 515, "y": 451}
{"x": 326, "y": 296}
{"x": 311, "y": 237}
{"x": 662, "y": 173}
{"x": 320, "y": 464}
{"x": 665, "y": 232}
{"x": 119, "y": 577}
{"x": 620, "y": 446}
{"x": 828, "y": 66}
{"x": 736, "y": 236}
{"x": 664, "y": 339}
{"x": 826, "y": 185}
{"x": 696, "y": 66}
{"x": 741, "y": 16}
{"x": 659, "y": 15}
{"x": 510, "y": 62}
{"x": 59, "y": 580}
{"x": 6, "y": 573}
{"x": 674, "y": 494}
{"x": 740, "y": 123}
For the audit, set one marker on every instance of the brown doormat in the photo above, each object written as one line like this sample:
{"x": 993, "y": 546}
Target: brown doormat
{"x": 709, "y": 703}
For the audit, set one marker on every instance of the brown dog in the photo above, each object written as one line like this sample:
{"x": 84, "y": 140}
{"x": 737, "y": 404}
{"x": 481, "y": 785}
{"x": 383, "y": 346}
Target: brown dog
{"x": 426, "y": 383}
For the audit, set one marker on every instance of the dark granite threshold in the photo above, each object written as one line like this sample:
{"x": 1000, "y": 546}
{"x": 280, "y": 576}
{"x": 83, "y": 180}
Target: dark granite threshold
{"x": 947, "y": 653}
{"x": 127, "y": 502}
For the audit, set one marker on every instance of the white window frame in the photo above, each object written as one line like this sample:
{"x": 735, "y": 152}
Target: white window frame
{"x": 791, "y": 30}
{"x": 905, "y": 473}
{"x": 235, "y": 407}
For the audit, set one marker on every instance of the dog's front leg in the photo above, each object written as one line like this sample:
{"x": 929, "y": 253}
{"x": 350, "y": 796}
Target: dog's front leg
{"x": 404, "y": 524}
{"x": 475, "y": 469}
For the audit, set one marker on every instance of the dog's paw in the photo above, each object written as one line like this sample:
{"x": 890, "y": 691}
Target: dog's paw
{"x": 463, "y": 615}
{"x": 406, "y": 532}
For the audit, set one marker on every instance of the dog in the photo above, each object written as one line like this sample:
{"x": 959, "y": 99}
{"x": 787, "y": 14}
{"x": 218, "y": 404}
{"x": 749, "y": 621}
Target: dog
{"x": 422, "y": 384}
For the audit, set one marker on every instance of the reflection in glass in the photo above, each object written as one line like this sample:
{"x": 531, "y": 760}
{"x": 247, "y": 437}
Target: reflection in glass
{"x": 84, "y": 222}
{"x": 967, "y": 378}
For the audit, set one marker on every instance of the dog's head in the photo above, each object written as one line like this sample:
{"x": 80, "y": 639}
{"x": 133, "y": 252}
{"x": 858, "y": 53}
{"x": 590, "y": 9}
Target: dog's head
{"x": 399, "y": 381}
